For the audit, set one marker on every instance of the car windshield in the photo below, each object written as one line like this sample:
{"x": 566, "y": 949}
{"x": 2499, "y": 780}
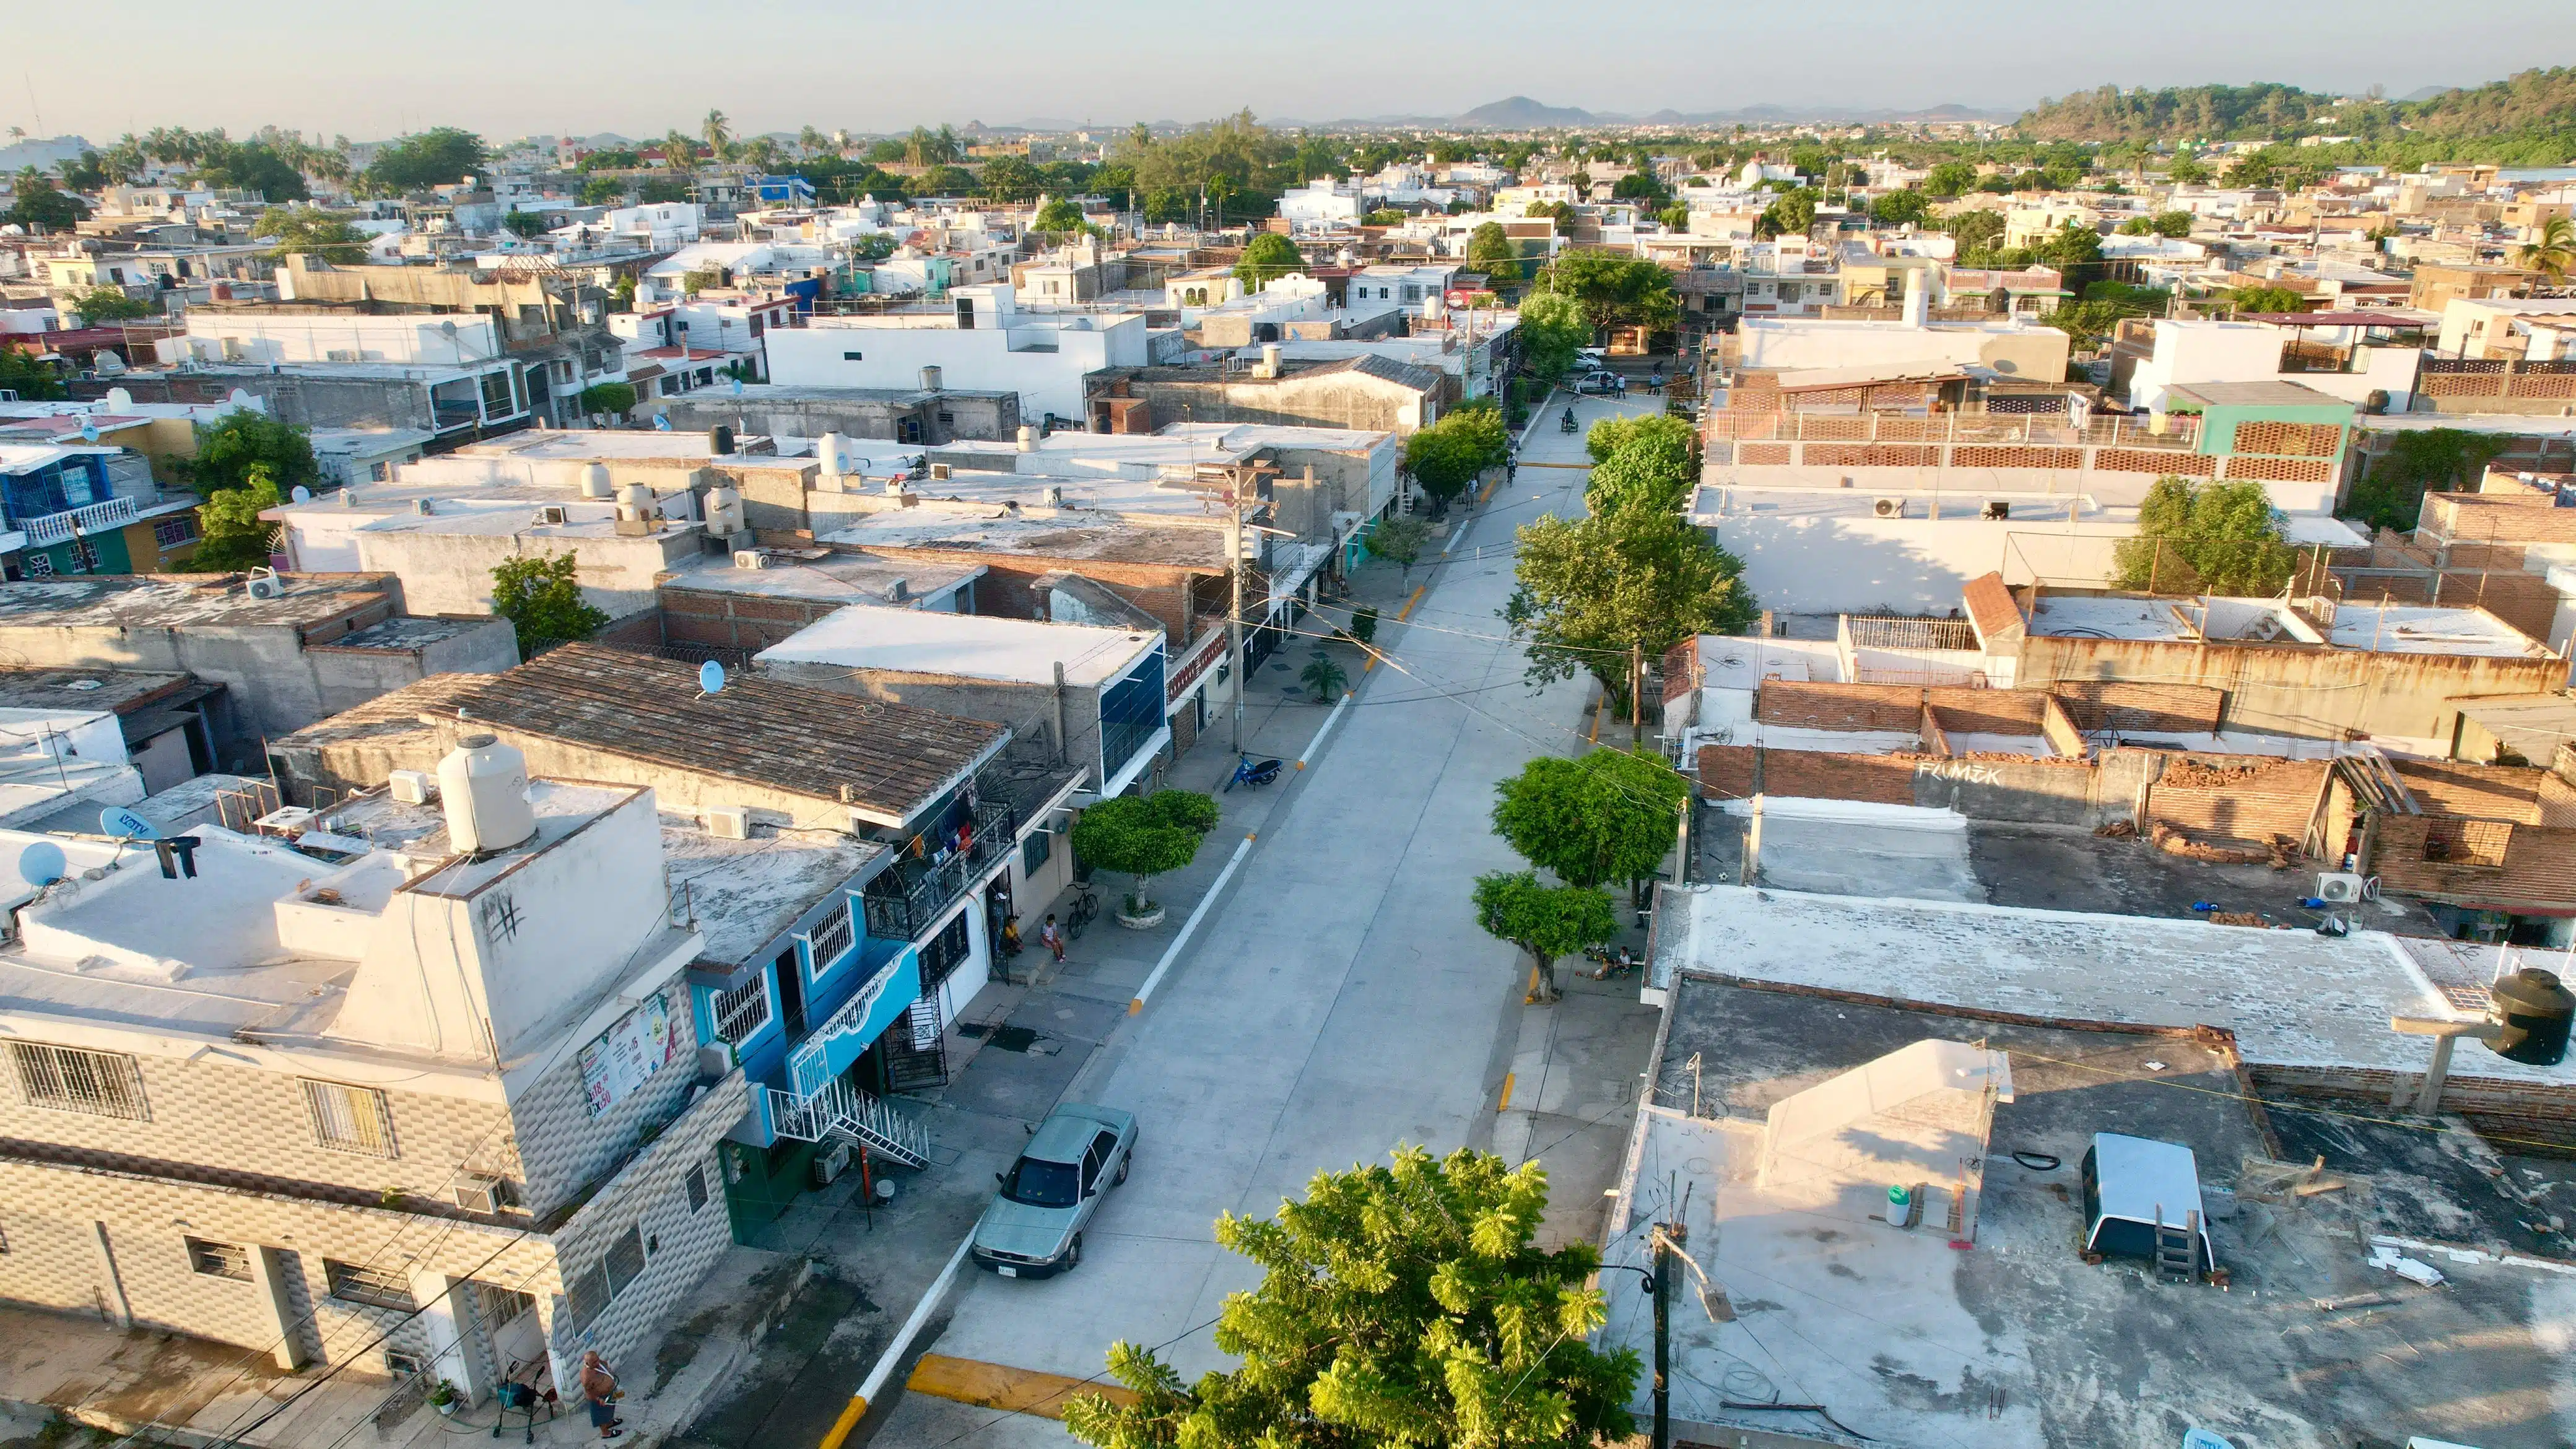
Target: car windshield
{"x": 1043, "y": 1184}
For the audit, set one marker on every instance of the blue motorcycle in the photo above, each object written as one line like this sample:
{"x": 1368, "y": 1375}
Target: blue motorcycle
{"x": 1255, "y": 772}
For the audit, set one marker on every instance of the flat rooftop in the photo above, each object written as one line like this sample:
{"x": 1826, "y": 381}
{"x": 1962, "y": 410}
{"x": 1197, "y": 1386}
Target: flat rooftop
{"x": 849, "y": 578}
{"x": 744, "y": 893}
{"x": 916, "y": 641}
{"x": 2268, "y": 393}
{"x": 115, "y": 690}
{"x": 2416, "y": 629}
{"x": 2013, "y": 1341}
{"x": 166, "y": 601}
{"x": 2292, "y": 997}
{"x": 888, "y": 759}
{"x": 2131, "y": 616}
{"x": 1061, "y": 533}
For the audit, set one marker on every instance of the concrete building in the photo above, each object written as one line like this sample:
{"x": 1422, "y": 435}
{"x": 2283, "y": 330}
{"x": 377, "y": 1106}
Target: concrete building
{"x": 981, "y": 339}
{"x": 317, "y": 645}
{"x": 447, "y": 1116}
{"x": 2360, "y": 357}
{"x": 1368, "y": 391}
{"x": 925, "y": 416}
{"x": 74, "y": 508}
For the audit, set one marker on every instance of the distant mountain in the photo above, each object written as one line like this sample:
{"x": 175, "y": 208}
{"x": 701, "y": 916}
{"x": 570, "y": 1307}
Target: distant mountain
{"x": 1520, "y": 113}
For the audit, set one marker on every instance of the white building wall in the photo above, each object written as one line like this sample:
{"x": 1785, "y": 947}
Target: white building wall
{"x": 1844, "y": 564}
{"x": 983, "y": 359}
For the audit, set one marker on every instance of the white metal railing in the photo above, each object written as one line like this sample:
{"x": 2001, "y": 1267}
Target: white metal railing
{"x": 94, "y": 518}
{"x": 841, "y": 1110}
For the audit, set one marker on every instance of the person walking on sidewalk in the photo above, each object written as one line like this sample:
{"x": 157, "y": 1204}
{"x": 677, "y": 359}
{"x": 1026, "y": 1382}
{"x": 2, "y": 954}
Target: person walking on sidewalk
{"x": 599, "y": 1389}
{"x": 1053, "y": 935}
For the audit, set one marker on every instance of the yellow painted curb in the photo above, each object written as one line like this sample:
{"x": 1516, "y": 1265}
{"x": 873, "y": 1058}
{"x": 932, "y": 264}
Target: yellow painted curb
{"x": 999, "y": 1386}
{"x": 1505, "y": 1104}
{"x": 855, "y": 1410}
{"x": 1418, "y": 589}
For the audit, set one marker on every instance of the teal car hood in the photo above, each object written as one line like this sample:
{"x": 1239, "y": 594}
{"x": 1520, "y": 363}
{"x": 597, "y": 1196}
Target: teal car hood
{"x": 1023, "y": 1230}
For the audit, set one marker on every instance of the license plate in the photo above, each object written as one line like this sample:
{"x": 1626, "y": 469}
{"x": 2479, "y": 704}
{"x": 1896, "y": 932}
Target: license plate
{"x": 1006, "y": 1270}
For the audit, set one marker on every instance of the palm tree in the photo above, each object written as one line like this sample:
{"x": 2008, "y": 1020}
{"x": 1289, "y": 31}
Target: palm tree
{"x": 718, "y": 133}
{"x": 2553, "y": 252}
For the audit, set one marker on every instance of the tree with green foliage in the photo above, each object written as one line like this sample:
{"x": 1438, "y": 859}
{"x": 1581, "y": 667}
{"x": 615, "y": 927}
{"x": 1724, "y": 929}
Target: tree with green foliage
{"x": 1614, "y": 290}
{"x": 2093, "y": 319}
{"x": 1650, "y": 462}
{"x": 2072, "y": 245}
{"x": 231, "y": 534}
{"x": 1790, "y": 215}
{"x": 1324, "y": 675}
{"x": 615, "y": 399}
{"x": 1010, "y": 180}
{"x": 103, "y": 304}
{"x": 947, "y": 181}
{"x": 1554, "y": 326}
{"x": 1269, "y": 257}
{"x": 1901, "y": 208}
{"x": 1639, "y": 186}
{"x": 2186, "y": 171}
{"x": 1491, "y": 251}
{"x": 2215, "y": 538}
{"x": 1975, "y": 231}
{"x": 1610, "y": 816}
{"x": 31, "y": 380}
{"x": 2439, "y": 460}
{"x": 661, "y": 189}
{"x": 603, "y": 191}
{"x": 1590, "y": 589}
{"x": 240, "y": 444}
{"x": 1400, "y": 541}
{"x": 2249, "y": 301}
{"x": 1949, "y": 179}
{"x": 1612, "y": 433}
{"x": 2551, "y": 251}
{"x": 440, "y": 156}
{"x": 1398, "y": 1306}
{"x": 1143, "y": 836}
{"x": 615, "y": 158}
{"x": 1383, "y": 216}
{"x": 1058, "y": 215}
{"x": 542, "y": 599}
{"x": 311, "y": 231}
{"x": 1546, "y": 921}
{"x": 1447, "y": 456}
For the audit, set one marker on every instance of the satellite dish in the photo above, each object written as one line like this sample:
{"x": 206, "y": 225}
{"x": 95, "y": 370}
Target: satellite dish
{"x": 118, "y": 399}
{"x": 711, "y": 678}
{"x": 42, "y": 863}
{"x": 89, "y": 432}
{"x": 300, "y": 494}
{"x": 124, "y": 824}
{"x": 737, "y": 387}
{"x": 662, "y": 422}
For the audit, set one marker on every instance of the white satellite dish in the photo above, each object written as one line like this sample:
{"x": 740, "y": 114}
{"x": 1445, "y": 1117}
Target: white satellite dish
{"x": 300, "y": 494}
{"x": 124, "y": 824}
{"x": 118, "y": 399}
{"x": 89, "y": 432}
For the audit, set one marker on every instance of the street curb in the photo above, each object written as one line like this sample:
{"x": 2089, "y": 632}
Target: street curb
{"x": 1000, "y": 1386}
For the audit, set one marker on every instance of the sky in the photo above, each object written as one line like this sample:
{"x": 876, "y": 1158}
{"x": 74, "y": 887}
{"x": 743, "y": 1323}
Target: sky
{"x": 640, "y": 67}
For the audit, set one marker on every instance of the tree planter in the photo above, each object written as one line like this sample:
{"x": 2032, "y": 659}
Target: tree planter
{"x": 1144, "y": 920}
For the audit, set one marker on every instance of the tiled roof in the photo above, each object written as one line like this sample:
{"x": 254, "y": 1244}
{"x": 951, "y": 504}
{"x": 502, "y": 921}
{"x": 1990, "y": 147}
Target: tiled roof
{"x": 886, "y": 758}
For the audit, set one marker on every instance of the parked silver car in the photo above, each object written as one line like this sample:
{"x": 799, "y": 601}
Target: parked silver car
{"x": 1034, "y": 1227}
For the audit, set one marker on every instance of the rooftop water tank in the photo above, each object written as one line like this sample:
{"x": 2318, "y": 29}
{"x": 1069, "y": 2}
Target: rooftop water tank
{"x": 483, "y": 786}
{"x": 2536, "y": 1012}
{"x": 724, "y": 511}
{"x": 720, "y": 439}
{"x": 930, "y": 379}
{"x": 594, "y": 481}
{"x": 1028, "y": 438}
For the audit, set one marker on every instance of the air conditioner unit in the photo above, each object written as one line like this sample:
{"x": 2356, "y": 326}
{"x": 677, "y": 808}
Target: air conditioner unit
{"x": 828, "y": 1166}
{"x": 1887, "y": 507}
{"x": 2343, "y": 887}
{"x": 729, "y": 822}
{"x": 1998, "y": 508}
{"x": 265, "y": 584}
{"x": 550, "y": 514}
{"x": 412, "y": 787}
{"x": 750, "y": 558}
{"x": 479, "y": 1194}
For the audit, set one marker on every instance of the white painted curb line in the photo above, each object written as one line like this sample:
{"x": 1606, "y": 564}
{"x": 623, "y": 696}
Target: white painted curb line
{"x": 1190, "y": 926}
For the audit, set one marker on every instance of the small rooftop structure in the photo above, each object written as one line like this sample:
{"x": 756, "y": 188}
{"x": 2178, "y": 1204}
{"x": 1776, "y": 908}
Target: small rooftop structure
{"x": 2134, "y": 1186}
{"x": 1012, "y": 651}
{"x": 1914, "y": 1116}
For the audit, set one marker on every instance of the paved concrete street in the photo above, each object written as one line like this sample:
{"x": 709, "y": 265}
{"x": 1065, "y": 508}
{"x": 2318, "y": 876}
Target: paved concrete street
{"x": 1338, "y": 1001}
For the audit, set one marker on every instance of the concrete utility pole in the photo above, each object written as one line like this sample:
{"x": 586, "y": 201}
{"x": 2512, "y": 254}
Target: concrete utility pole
{"x": 1234, "y": 614}
{"x": 1663, "y": 1290}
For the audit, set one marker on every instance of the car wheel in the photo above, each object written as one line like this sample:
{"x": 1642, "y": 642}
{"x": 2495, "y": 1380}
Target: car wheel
{"x": 1073, "y": 1253}
{"x": 1124, "y": 1163}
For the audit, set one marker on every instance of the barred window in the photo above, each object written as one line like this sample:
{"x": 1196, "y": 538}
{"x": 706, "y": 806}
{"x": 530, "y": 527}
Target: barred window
{"x": 367, "y": 1283}
{"x": 175, "y": 530}
{"x": 67, "y": 1079}
{"x": 742, "y": 1011}
{"x": 219, "y": 1260}
{"x": 350, "y": 1119}
{"x": 696, "y": 1183}
{"x": 830, "y": 937}
{"x": 589, "y": 1292}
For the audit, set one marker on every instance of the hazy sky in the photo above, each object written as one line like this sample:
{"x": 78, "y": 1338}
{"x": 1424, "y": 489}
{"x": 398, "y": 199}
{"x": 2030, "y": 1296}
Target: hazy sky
{"x": 375, "y": 69}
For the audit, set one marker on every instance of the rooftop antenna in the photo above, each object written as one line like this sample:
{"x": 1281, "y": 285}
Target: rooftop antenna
{"x": 711, "y": 679}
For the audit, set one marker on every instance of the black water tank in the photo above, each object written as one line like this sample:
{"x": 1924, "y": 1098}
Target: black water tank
{"x": 720, "y": 440}
{"x": 2536, "y": 1012}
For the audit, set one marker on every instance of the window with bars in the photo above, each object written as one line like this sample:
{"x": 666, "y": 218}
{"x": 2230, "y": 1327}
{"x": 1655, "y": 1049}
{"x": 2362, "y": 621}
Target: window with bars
{"x": 350, "y": 1119}
{"x": 377, "y": 1287}
{"x": 177, "y": 529}
{"x": 67, "y": 1079}
{"x": 744, "y": 1010}
{"x": 219, "y": 1260}
{"x": 590, "y": 1292}
{"x": 696, "y": 1183}
{"x": 830, "y": 937}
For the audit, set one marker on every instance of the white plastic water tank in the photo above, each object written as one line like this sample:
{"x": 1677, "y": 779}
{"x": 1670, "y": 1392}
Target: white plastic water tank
{"x": 724, "y": 511}
{"x": 635, "y": 501}
{"x": 828, "y": 449}
{"x": 483, "y": 785}
{"x": 1028, "y": 439}
{"x": 594, "y": 482}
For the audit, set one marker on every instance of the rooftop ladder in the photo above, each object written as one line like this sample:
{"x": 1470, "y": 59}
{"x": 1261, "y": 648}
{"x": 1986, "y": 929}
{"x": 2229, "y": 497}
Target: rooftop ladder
{"x": 2177, "y": 1259}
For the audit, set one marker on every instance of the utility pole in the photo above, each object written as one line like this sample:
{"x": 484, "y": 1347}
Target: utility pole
{"x": 1663, "y": 1290}
{"x": 1234, "y": 615}
{"x": 1636, "y": 692}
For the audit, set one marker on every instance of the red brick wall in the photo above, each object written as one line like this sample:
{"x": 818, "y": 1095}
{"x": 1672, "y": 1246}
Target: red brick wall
{"x": 735, "y": 621}
{"x": 2275, "y": 798}
{"x": 1726, "y": 772}
{"x": 2539, "y": 867}
{"x": 1008, "y": 587}
{"x": 2493, "y": 792}
{"x": 1814, "y": 775}
{"x": 2106, "y": 704}
{"x": 1825, "y": 706}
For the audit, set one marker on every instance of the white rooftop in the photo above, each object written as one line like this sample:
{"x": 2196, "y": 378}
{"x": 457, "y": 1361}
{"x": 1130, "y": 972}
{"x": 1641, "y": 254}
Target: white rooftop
{"x": 2293, "y": 998}
{"x": 914, "y": 641}
{"x": 2413, "y": 629}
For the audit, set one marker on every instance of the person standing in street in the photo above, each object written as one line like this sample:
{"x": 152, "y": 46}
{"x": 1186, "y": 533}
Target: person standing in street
{"x": 599, "y": 1390}
{"x": 1053, "y": 935}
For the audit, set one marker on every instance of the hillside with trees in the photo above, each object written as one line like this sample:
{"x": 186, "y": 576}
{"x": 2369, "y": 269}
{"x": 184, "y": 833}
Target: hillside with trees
{"x": 2527, "y": 119}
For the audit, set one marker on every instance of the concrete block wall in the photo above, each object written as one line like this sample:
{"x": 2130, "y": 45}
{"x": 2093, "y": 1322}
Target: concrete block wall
{"x": 249, "y": 1126}
{"x": 2538, "y": 863}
